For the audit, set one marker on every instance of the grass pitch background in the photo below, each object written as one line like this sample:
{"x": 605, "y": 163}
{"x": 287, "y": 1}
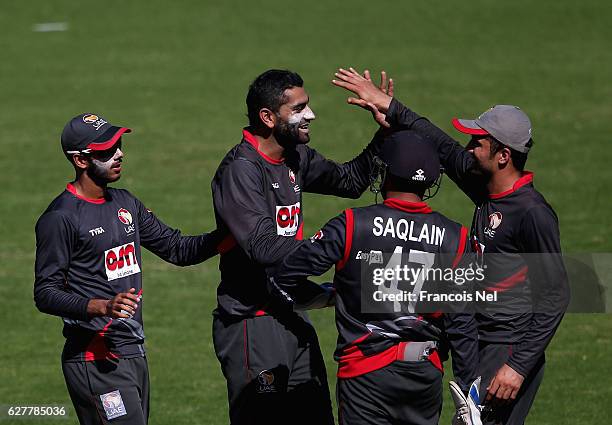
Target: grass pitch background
{"x": 178, "y": 72}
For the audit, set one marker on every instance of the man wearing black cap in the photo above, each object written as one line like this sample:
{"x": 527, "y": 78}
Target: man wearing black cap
{"x": 512, "y": 223}
{"x": 87, "y": 271}
{"x": 388, "y": 346}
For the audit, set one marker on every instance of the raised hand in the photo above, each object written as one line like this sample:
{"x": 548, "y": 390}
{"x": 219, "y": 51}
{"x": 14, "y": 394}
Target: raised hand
{"x": 365, "y": 89}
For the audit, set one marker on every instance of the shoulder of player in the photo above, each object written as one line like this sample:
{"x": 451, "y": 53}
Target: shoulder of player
{"x": 541, "y": 214}
{"x": 121, "y": 197}
{"x": 531, "y": 203}
{"x": 64, "y": 206}
{"x": 58, "y": 213}
{"x": 242, "y": 155}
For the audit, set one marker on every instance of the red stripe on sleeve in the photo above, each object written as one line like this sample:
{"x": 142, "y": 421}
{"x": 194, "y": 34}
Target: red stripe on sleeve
{"x": 461, "y": 247}
{"x": 349, "y": 239}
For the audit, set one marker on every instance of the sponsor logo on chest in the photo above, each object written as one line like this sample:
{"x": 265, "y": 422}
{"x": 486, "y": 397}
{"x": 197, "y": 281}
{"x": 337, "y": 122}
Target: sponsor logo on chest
{"x": 287, "y": 219}
{"x": 121, "y": 261}
{"x": 96, "y": 231}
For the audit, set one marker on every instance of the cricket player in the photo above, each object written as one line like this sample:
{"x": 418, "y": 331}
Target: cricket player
{"x": 512, "y": 221}
{"x": 269, "y": 354}
{"x": 388, "y": 351}
{"x": 88, "y": 272}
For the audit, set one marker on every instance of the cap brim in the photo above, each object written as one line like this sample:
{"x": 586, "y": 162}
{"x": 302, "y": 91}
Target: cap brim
{"x": 469, "y": 127}
{"x": 107, "y": 144}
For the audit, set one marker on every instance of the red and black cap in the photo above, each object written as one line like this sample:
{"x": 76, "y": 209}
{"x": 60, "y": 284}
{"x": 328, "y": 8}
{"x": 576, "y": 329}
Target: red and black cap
{"x": 90, "y": 132}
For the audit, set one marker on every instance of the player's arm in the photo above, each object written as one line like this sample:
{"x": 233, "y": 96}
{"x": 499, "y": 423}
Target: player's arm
{"x": 55, "y": 239}
{"x": 549, "y": 283}
{"x": 170, "y": 245}
{"x": 312, "y": 258}
{"x": 388, "y": 111}
{"x": 240, "y": 203}
{"x": 347, "y": 180}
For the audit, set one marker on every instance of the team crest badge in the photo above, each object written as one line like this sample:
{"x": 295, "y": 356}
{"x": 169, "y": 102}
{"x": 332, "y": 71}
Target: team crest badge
{"x": 113, "y": 404}
{"x": 265, "y": 382}
{"x": 124, "y": 216}
{"x": 495, "y": 220}
{"x": 317, "y": 236}
{"x": 90, "y": 119}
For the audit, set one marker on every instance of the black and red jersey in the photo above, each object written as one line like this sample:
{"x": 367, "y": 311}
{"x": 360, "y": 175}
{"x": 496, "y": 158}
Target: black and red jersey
{"x": 510, "y": 226}
{"x": 90, "y": 249}
{"x": 258, "y": 202}
{"x": 363, "y": 244}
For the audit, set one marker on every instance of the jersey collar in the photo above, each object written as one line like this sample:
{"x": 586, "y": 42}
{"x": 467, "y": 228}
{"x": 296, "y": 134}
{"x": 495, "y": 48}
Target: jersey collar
{"x": 526, "y": 178}
{"x": 252, "y": 140}
{"x": 70, "y": 188}
{"x": 411, "y": 207}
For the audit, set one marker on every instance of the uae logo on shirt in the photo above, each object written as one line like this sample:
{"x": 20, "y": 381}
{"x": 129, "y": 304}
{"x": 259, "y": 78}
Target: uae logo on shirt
{"x": 291, "y": 176}
{"x": 124, "y": 216}
{"x": 265, "y": 382}
{"x": 495, "y": 220}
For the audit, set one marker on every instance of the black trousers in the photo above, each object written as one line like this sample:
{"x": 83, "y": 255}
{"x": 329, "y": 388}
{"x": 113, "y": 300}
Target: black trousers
{"x": 274, "y": 370}
{"x": 109, "y": 391}
{"x": 401, "y": 393}
{"x": 492, "y": 357}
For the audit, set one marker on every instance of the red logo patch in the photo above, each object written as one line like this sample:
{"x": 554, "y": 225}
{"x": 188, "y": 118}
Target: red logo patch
{"x": 121, "y": 261}
{"x": 287, "y": 219}
{"x": 124, "y": 216}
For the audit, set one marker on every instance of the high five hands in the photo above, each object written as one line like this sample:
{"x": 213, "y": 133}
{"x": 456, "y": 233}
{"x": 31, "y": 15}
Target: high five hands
{"x": 369, "y": 96}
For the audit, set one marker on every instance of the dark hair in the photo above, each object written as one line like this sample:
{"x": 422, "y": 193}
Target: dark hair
{"x": 267, "y": 91}
{"x": 518, "y": 158}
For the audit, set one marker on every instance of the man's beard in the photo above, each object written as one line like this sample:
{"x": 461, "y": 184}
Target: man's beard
{"x": 100, "y": 172}
{"x": 287, "y": 134}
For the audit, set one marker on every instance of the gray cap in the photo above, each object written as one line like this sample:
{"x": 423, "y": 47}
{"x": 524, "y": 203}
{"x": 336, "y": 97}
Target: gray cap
{"x": 506, "y": 123}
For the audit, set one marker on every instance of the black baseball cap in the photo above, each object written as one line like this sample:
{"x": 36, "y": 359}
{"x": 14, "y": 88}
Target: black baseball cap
{"x": 410, "y": 157}
{"x": 90, "y": 132}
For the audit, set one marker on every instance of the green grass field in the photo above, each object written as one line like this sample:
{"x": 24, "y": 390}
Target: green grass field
{"x": 177, "y": 73}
